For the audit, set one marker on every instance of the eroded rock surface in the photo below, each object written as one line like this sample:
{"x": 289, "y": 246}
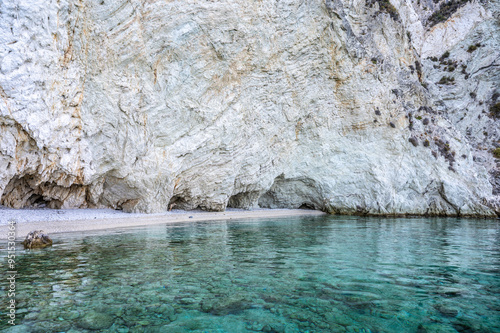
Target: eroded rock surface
{"x": 332, "y": 105}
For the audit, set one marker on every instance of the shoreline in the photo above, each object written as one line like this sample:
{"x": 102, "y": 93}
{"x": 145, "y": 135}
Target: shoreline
{"x": 72, "y": 220}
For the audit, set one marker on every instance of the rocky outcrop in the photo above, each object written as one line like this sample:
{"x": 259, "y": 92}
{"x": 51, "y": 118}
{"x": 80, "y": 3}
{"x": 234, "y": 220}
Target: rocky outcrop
{"x": 370, "y": 107}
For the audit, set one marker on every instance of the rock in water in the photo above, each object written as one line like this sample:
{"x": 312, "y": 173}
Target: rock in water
{"x": 36, "y": 240}
{"x": 94, "y": 320}
{"x": 145, "y": 105}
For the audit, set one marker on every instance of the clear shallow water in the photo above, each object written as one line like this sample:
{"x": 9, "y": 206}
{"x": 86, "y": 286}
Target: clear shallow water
{"x": 315, "y": 274}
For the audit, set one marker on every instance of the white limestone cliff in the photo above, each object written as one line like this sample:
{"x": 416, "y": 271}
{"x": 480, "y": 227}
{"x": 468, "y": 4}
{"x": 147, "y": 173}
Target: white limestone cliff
{"x": 333, "y": 105}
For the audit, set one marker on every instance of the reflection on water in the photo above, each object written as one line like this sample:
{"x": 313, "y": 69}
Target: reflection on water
{"x": 314, "y": 274}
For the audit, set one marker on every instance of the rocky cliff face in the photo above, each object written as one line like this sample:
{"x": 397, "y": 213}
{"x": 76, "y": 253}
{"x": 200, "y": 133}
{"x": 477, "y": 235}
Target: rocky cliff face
{"x": 365, "y": 107}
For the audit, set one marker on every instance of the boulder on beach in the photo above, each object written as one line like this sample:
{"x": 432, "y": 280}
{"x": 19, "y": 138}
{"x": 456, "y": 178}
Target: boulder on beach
{"x": 36, "y": 240}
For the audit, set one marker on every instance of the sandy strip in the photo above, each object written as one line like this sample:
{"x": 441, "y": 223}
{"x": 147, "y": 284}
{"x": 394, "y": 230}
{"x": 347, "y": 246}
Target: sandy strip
{"x": 67, "y": 224}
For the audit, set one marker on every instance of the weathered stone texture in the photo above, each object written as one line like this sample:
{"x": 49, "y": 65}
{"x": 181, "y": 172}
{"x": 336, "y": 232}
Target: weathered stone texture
{"x": 147, "y": 105}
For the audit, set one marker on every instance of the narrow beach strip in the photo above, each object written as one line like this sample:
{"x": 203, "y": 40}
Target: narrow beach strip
{"x": 136, "y": 220}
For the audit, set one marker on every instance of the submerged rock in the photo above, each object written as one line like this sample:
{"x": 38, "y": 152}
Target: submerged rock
{"x": 50, "y": 326}
{"x": 446, "y": 311}
{"x": 36, "y": 240}
{"x": 17, "y": 329}
{"x": 93, "y": 320}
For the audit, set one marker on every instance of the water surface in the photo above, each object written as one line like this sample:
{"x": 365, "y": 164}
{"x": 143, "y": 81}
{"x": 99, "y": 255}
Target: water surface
{"x": 311, "y": 274}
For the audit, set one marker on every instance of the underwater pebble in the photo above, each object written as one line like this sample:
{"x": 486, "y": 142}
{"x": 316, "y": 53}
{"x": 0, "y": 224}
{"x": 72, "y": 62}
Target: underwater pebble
{"x": 338, "y": 319}
{"x": 187, "y": 301}
{"x": 31, "y": 316}
{"x": 72, "y": 315}
{"x": 72, "y": 330}
{"x": 437, "y": 328}
{"x": 50, "y": 326}
{"x": 446, "y": 311}
{"x": 17, "y": 329}
{"x": 45, "y": 316}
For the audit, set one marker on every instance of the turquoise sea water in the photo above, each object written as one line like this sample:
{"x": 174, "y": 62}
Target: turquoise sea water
{"x": 314, "y": 274}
